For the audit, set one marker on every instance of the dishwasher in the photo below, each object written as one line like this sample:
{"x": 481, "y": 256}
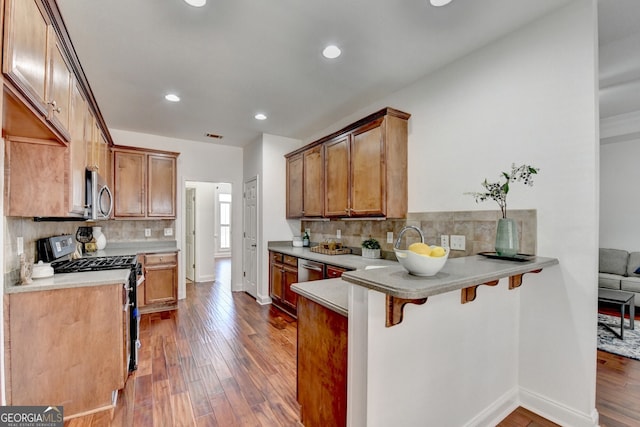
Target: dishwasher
{"x": 309, "y": 270}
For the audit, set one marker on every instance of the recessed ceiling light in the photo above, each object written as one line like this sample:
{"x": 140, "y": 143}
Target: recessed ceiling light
{"x": 196, "y": 3}
{"x": 331, "y": 52}
{"x": 172, "y": 97}
{"x": 439, "y": 3}
{"x": 260, "y": 116}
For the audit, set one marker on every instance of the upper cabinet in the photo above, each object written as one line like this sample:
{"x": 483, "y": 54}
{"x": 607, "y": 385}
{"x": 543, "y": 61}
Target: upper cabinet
{"x": 305, "y": 183}
{"x": 145, "y": 183}
{"x": 34, "y": 61}
{"x": 364, "y": 169}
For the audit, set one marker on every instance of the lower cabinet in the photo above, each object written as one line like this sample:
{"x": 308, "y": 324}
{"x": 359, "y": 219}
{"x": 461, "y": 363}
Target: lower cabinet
{"x": 160, "y": 289}
{"x": 322, "y": 365}
{"x": 67, "y": 347}
{"x": 283, "y": 272}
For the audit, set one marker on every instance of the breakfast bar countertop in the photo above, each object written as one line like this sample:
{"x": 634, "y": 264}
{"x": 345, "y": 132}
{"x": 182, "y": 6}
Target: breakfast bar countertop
{"x": 330, "y": 293}
{"x": 457, "y": 274}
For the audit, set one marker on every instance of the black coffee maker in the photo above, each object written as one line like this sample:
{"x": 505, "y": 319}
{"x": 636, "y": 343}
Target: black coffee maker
{"x": 84, "y": 235}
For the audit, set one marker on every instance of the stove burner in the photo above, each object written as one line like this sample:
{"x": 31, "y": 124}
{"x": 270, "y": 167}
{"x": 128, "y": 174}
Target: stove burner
{"x": 95, "y": 264}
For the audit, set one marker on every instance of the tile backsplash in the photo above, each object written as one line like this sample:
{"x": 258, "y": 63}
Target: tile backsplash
{"x": 478, "y": 227}
{"x": 115, "y": 231}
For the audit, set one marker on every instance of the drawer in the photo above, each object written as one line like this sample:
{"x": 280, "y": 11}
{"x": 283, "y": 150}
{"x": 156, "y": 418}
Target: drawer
{"x": 276, "y": 257}
{"x": 155, "y": 259}
{"x": 333, "y": 271}
{"x": 291, "y": 260}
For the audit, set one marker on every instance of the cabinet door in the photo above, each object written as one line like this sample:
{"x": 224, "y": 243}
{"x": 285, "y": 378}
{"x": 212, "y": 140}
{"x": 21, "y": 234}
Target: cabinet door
{"x": 160, "y": 284}
{"x": 313, "y": 169}
{"x": 104, "y": 156}
{"x": 334, "y": 272}
{"x": 35, "y": 184}
{"x": 58, "y": 89}
{"x": 276, "y": 281}
{"x": 161, "y": 186}
{"x": 77, "y": 152}
{"x": 129, "y": 178}
{"x": 336, "y": 173}
{"x": 295, "y": 189}
{"x": 368, "y": 184}
{"x": 290, "y": 277}
{"x": 25, "y": 50}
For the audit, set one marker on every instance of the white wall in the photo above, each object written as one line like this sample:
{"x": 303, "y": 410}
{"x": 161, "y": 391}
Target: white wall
{"x": 530, "y": 97}
{"x": 265, "y": 159}
{"x": 198, "y": 161}
{"x": 205, "y": 214}
{"x": 619, "y": 200}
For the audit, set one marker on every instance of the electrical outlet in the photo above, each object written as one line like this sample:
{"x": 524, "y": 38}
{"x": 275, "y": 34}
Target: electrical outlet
{"x": 147, "y": 232}
{"x": 457, "y": 243}
{"x": 389, "y": 236}
{"x": 338, "y": 234}
{"x": 20, "y": 246}
{"x": 168, "y": 231}
{"x": 444, "y": 240}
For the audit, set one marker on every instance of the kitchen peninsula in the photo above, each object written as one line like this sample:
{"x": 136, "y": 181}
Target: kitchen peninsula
{"x": 396, "y": 365}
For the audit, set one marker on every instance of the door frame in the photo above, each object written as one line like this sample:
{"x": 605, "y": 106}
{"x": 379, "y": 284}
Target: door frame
{"x": 191, "y": 261}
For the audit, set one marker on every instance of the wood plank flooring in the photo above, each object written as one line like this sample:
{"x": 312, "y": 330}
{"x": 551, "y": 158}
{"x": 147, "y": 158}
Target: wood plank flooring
{"x": 223, "y": 360}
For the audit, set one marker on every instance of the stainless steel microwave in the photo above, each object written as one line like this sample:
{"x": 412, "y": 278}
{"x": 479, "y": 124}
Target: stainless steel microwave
{"x": 99, "y": 199}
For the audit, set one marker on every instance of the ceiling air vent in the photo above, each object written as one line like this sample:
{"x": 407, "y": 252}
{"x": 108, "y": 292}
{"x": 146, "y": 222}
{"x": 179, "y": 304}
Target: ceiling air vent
{"x": 213, "y": 135}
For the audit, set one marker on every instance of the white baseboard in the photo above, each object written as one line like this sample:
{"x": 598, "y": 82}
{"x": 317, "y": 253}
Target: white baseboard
{"x": 497, "y": 411}
{"x": 555, "y": 411}
{"x": 207, "y": 278}
{"x": 264, "y": 300}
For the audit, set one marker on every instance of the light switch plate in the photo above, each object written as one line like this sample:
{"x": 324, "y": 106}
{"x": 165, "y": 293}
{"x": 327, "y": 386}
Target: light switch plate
{"x": 168, "y": 231}
{"x": 389, "y": 236}
{"x": 20, "y": 245}
{"x": 338, "y": 234}
{"x": 457, "y": 243}
{"x": 147, "y": 232}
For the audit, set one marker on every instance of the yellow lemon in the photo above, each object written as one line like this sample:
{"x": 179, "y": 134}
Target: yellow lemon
{"x": 420, "y": 248}
{"x": 437, "y": 251}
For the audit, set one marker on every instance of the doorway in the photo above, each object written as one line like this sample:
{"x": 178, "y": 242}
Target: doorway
{"x": 208, "y": 228}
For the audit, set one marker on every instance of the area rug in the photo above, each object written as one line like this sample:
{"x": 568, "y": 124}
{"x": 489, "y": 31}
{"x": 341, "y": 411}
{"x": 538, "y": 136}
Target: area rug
{"x": 609, "y": 342}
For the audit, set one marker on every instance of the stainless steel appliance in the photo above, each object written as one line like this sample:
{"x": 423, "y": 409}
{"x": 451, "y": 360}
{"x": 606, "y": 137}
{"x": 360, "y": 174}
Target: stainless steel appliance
{"x": 52, "y": 248}
{"x": 310, "y": 270}
{"x": 99, "y": 199}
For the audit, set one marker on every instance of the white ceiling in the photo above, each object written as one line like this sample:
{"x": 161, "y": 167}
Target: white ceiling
{"x": 234, "y": 58}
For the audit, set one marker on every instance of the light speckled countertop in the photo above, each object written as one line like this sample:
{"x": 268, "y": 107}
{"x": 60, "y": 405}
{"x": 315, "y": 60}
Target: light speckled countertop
{"x": 394, "y": 280}
{"x": 457, "y": 274}
{"x": 330, "y": 293}
{"x": 96, "y": 278}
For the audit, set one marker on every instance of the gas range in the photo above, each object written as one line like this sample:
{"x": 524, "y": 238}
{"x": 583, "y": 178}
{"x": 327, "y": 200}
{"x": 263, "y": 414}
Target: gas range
{"x": 95, "y": 264}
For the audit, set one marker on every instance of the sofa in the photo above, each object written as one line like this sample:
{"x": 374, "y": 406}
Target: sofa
{"x": 619, "y": 269}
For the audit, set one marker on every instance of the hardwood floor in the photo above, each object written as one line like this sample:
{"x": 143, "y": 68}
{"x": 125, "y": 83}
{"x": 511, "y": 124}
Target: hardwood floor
{"x": 223, "y": 360}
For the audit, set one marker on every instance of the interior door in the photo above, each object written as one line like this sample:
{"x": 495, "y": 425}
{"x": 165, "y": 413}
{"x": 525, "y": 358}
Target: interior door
{"x": 190, "y": 234}
{"x": 250, "y": 240}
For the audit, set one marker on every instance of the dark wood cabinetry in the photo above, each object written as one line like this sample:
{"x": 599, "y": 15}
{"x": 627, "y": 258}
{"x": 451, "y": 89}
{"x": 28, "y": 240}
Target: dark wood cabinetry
{"x": 364, "y": 171}
{"x": 334, "y": 272}
{"x": 322, "y": 365}
{"x": 283, "y": 272}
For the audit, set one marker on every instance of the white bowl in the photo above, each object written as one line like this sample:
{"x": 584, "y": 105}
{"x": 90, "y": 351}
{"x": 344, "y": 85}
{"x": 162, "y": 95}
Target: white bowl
{"x": 421, "y": 265}
{"x": 41, "y": 270}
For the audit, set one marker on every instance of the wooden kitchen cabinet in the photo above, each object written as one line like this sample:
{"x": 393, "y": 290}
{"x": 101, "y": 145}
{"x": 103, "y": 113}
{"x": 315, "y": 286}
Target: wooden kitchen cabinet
{"x": 334, "y": 272}
{"x": 305, "y": 184}
{"x": 322, "y": 365}
{"x": 145, "y": 183}
{"x": 66, "y": 347}
{"x": 283, "y": 272}
{"x": 98, "y": 150}
{"x": 34, "y": 62}
{"x": 364, "y": 170}
{"x": 129, "y": 177}
{"x": 160, "y": 282}
{"x": 77, "y": 151}
{"x": 35, "y": 178}
{"x": 295, "y": 189}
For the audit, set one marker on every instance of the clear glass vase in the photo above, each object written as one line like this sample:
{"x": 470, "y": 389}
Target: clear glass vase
{"x": 507, "y": 242}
